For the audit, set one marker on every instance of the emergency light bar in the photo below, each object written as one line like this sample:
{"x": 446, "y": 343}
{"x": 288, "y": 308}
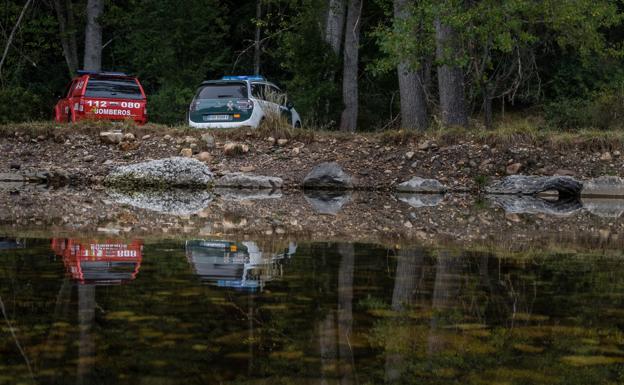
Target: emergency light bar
{"x": 83, "y": 72}
{"x": 245, "y": 77}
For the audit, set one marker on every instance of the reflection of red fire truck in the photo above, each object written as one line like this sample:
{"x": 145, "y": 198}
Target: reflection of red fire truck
{"x": 100, "y": 263}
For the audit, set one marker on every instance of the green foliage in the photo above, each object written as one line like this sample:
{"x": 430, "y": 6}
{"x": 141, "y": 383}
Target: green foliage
{"x": 18, "y": 104}
{"x": 169, "y": 104}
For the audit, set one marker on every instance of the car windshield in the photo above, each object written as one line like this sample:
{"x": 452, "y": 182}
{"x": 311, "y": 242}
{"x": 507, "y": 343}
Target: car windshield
{"x": 223, "y": 91}
{"x": 113, "y": 88}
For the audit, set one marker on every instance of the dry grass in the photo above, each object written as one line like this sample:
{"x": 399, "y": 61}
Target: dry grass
{"x": 512, "y": 131}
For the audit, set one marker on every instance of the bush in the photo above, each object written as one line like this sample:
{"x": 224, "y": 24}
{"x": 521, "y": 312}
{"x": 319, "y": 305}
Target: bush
{"x": 604, "y": 110}
{"x": 18, "y": 105}
{"x": 169, "y": 105}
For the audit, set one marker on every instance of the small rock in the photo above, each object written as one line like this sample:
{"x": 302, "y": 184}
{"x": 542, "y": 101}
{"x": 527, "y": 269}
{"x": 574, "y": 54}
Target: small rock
{"x": 209, "y": 140}
{"x": 129, "y": 137}
{"x": 513, "y": 168}
{"x": 111, "y": 137}
{"x": 564, "y": 172}
{"x": 232, "y": 149}
{"x": 128, "y": 146}
{"x": 167, "y": 137}
{"x": 617, "y": 154}
{"x": 409, "y": 155}
{"x": 271, "y": 140}
{"x": 328, "y": 175}
{"x": 427, "y": 145}
{"x": 247, "y": 168}
{"x": 146, "y": 137}
{"x": 282, "y": 142}
{"x": 186, "y": 152}
{"x": 190, "y": 139}
{"x": 605, "y": 157}
{"x": 408, "y": 224}
{"x": 89, "y": 158}
{"x": 204, "y": 157}
{"x": 296, "y": 151}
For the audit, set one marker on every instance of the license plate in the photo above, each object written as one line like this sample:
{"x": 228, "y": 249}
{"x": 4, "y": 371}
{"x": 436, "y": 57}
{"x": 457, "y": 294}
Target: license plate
{"x": 210, "y": 118}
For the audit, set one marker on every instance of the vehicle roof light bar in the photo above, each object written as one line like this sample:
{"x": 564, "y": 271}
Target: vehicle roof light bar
{"x": 108, "y": 73}
{"x": 244, "y": 77}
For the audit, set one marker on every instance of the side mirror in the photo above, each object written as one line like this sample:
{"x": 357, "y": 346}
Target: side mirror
{"x": 290, "y": 105}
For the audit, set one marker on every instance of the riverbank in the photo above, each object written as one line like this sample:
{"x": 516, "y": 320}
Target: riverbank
{"x": 463, "y": 160}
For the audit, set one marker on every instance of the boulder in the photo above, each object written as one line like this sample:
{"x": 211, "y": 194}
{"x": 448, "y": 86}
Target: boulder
{"x": 421, "y": 185}
{"x": 532, "y": 185}
{"x": 249, "y": 181}
{"x": 513, "y": 168}
{"x": 533, "y": 205}
{"x": 604, "y": 186}
{"x": 209, "y": 140}
{"x": 328, "y": 175}
{"x": 111, "y": 137}
{"x": 172, "y": 201}
{"x": 176, "y": 171}
{"x": 327, "y": 202}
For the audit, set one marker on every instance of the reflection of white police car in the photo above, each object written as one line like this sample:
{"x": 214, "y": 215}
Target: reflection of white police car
{"x": 236, "y": 101}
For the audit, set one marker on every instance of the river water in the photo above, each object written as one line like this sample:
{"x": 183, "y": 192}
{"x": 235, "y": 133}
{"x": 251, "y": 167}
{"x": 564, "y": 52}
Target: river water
{"x": 111, "y": 309}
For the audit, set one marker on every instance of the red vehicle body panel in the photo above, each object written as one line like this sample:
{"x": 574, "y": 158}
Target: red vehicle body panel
{"x": 100, "y": 262}
{"x": 75, "y": 105}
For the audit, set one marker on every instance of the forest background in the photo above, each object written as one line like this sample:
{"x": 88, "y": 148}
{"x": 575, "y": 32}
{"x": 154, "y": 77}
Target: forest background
{"x": 365, "y": 65}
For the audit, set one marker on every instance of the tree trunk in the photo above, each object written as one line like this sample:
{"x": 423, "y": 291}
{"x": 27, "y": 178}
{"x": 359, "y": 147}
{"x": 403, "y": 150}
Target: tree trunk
{"x": 450, "y": 77}
{"x": 348, "y": 120}
{"x": 65, "y": 17}
{"x": 334, "y": 25}
{"x": 487, "y": 107}
{"x": 411, "y": 86}
{"x": 257, "y": 37}
{"x": 93, "y": 36}
{"x": 445, "y": 291}
{"x": 12, "y": 35}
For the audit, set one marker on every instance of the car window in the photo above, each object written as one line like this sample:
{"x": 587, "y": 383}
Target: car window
{"x": 223, "y": 91}
{"x": 101, "y": 87}
{"x": 257, "y": 90}
{"x": 275, "y": 95}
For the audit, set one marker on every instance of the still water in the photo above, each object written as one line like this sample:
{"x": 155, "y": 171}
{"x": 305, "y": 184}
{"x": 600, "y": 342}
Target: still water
{"x": 214, "y": 311}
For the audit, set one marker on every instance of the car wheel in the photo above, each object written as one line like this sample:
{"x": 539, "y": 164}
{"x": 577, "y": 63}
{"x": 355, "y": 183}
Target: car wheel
{"x": 69, "y": 116}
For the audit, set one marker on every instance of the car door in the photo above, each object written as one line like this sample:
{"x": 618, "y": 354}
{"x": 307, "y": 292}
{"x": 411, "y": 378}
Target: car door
{"x": 62, "y": 106}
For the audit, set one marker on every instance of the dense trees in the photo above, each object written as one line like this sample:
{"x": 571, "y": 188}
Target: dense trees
{"x": 349, "y": 64}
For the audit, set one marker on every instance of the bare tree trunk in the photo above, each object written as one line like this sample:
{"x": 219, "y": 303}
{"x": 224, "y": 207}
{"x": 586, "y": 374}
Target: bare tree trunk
{"x": 12, "y": 34}
{"x": 450, "y": 77}
{"x": 327, "y": 345}
{"x": 93, "y": 36}
{"x": 487, "y": 107}
{"x": 334, "y": 25}
{"x": 348, "y": 120}
{"x": 411, "y": 86}
{"x": 257, "y": 44}
{"x": 65, "y": 17}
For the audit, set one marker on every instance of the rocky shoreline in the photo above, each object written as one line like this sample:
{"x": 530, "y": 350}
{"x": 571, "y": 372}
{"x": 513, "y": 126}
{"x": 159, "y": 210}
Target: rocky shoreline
{"x": 87, "y": 157}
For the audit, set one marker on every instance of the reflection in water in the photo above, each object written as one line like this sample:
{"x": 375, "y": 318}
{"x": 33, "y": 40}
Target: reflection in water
{"x": 339, "y": 314}
{"x": 171, "y": 201}
{"x": 528, "y": 204}
{"x": 421, "y": 200}
{"x": 237, "y": 265}
{"x": 11, "y": 243}
{"x": 327, "y": 202}
{"x": 100, "y": 263}
{"x": 604, "y": 207}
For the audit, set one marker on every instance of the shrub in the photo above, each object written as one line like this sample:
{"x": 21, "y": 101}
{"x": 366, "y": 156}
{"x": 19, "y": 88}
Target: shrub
{"x": 169, "y": 105}
{"x": 18, "y": 105}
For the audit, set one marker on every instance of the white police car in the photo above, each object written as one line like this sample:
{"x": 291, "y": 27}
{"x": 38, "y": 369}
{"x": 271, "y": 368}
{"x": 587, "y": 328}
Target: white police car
{"x": 237, "y": 101}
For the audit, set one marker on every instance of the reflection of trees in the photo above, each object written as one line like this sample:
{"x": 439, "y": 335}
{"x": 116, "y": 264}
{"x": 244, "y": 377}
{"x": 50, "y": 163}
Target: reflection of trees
{"x": 409, "y": 272}
{"x": 86, "y": 343}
